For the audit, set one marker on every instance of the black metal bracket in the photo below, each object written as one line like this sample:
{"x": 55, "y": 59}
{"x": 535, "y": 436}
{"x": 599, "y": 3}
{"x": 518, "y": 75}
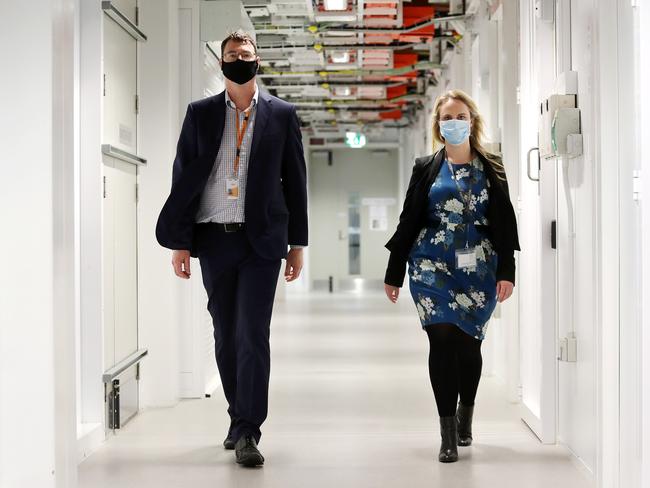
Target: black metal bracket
{"x": 554, "y": 234}
{"x": 114, "y": 405}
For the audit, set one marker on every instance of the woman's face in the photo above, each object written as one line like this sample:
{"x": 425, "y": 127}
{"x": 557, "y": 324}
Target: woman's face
{"x": 455, "y": 109}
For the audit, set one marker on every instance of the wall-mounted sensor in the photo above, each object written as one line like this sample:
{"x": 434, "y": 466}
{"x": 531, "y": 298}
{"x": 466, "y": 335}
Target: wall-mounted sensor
{"x": 559, "y": 118}
{"x": 566, "y": 122}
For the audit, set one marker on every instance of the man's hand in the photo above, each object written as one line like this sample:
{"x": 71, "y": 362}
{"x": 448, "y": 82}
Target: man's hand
{"x": 504, "y": 290}
{"x": 294, "y": 265}
{"x": 181, "y": 264}
{"x": 392, "y": 292}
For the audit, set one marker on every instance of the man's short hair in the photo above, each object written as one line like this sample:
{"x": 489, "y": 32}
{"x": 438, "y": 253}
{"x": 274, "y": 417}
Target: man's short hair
{"x": 240, "y": 37}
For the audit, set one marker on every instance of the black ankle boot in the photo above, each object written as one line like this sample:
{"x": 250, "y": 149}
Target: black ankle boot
{"x": 464, "y": 416}
{"x": 449, "y": 444}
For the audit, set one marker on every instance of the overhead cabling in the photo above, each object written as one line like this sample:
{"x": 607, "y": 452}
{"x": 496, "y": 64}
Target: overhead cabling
{"x": 353, "y": 62}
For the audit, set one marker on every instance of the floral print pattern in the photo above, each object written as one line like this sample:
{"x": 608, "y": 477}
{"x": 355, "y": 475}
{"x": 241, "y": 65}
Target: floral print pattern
{"x": 442, "y": 293}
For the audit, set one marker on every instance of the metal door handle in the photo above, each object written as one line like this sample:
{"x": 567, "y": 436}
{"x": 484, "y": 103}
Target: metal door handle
{"x": 530, "y": 176}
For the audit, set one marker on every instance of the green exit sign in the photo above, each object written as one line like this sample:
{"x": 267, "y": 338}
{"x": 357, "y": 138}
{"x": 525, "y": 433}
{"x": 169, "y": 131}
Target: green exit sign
{"x": 355, "y": 139}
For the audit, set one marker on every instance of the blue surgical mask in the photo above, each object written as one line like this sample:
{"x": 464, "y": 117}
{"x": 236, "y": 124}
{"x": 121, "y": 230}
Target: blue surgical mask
{"x": 454, "y": 131}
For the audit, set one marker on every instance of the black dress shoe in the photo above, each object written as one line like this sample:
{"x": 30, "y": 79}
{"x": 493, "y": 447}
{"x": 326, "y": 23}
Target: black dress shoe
{"x": 449, "y": 436}
{"x": 247, "y": 453}
{"x": 464, "y": 417}
{"x": 229, "y": 442}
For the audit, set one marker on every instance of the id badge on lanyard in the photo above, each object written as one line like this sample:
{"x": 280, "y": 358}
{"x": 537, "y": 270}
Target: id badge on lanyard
{"x": 232, "y": 188}
{"x": 466, "y": 258}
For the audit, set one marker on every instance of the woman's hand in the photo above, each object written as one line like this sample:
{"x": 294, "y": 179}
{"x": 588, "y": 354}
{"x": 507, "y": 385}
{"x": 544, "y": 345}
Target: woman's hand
{"x": 504, "y": 290}
{"x": 392, "y": 292}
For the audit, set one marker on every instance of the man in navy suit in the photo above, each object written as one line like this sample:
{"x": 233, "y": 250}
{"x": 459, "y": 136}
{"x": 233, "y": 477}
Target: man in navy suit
{"x": 238, "y": 201}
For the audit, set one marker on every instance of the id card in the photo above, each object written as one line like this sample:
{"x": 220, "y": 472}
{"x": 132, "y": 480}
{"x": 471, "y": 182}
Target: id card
{"x": 466, "y": 258}
{"x": 232, "y": 188}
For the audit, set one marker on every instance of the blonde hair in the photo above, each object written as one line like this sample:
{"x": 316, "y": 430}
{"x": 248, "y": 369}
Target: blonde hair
{"x": 477, "y": 135}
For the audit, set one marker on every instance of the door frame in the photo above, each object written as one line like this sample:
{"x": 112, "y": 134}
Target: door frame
{"x": 543, "y": 425}
{"x": 611, "y": 190}
{"x": 643, "y": 41}
{"x": 342, "y": 280}
{"x": 90, "y": 366}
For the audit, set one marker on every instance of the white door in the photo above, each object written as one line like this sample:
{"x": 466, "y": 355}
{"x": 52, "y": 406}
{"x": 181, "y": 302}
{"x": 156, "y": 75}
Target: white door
{"x": 537, "y": 261}
{"x": 631, "y": 278}
{"x": 120, "y": 87}
{"x": 120, "y": 260}
{"x": 353, "y": 209}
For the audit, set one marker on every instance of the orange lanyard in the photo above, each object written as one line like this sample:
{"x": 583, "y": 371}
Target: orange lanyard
{"x": 240, "y": 137}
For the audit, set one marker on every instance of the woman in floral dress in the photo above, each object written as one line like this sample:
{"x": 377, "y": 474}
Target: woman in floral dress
{"x": 458, "y": 234}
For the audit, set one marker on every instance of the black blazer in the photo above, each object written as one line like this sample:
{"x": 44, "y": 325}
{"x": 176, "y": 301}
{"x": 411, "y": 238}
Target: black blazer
{"x": 502, "y": 229}
{"x": 276, "y": 191}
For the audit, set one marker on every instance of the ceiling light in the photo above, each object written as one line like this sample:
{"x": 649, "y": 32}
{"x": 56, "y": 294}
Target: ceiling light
{"x": 340, "y": 56}
{"x": 342, "y": 91}
{"x": 341, "y": 33}
{"x": 344, "y": 17}
{"x": 335, "y": 4}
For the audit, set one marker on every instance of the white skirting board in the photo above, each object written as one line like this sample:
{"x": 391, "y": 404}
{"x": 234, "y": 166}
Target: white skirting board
{"x": 90, "y": 436}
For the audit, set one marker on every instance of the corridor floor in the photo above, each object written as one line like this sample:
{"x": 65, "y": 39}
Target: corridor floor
{"x": 350, "y": 407}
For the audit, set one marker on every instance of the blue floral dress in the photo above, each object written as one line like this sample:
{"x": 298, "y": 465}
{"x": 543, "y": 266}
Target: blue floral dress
{"x": 443, "y": 293}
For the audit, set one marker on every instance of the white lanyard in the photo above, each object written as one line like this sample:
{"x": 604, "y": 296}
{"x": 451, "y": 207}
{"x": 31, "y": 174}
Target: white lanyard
{"x": 465, "y": 196}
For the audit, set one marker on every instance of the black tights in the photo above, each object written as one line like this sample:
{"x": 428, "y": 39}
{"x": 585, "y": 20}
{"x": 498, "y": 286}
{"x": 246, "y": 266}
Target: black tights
{"x": 454, "y": 366}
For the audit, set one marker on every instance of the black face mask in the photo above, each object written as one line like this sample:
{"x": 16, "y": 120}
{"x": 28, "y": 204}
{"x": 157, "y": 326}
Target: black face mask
{"x": 239, "y": 71}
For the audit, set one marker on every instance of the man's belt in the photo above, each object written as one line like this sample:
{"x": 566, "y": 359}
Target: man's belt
{"x": 234, "y": 227}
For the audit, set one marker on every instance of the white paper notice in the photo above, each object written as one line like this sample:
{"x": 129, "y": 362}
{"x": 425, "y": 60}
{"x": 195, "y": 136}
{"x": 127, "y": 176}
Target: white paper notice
{"x": 378, "y": 217}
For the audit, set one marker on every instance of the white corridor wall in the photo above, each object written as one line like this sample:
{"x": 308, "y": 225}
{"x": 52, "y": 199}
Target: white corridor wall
{"x": 37, "y": 303}
{"x": 160, "y": 304}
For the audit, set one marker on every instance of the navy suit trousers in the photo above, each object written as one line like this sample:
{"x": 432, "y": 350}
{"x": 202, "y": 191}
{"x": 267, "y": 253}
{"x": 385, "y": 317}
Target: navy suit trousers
{"x": 241, "y": 288}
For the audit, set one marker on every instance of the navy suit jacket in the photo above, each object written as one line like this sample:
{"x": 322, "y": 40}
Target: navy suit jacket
{"x": 276, "y": 192}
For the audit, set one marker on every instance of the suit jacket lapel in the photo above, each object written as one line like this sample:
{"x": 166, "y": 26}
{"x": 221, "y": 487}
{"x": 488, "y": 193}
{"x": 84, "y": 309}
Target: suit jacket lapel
{"x": 219, "y": 121}
{"x": 262, "y": 116}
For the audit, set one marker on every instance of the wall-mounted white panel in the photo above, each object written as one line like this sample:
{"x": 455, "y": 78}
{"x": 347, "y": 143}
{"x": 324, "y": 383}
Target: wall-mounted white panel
{"x": 125, "y": 253}
{"x": 120, "y": 261}
{"x": 120, "y": 87}
{"x": 108, "y": 271}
